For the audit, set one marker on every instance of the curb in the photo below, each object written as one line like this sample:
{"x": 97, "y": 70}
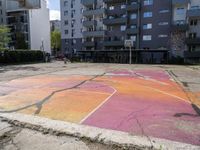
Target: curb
{"x": 104, "y": 136}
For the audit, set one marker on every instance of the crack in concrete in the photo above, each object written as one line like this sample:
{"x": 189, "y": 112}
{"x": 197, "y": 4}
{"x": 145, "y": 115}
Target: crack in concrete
{"x": 7, "y": 137}
{"x": 40, "y": 103}
{"x": 185, "y": 89}
{"x": 133, "y": 115}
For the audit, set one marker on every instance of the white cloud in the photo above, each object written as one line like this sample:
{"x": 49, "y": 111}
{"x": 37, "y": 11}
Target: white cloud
{"x": 54, "y": 15}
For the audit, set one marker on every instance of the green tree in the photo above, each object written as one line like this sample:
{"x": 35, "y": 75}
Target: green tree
{"x": 20, "y": 41}
{"x": 55, "y": 41}
{"x": 4, "y": 37}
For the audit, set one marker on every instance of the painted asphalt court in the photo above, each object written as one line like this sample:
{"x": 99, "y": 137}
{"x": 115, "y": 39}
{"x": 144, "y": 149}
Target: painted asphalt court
{"x": 140, "y": 102}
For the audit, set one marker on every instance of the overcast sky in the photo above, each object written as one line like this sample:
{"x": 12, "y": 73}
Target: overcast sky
{"x": 54, "y": 6}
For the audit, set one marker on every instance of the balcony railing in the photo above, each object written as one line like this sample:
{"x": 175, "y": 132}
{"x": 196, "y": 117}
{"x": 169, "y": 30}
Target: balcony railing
{"x": 89, "y": 44}
{"x": 132, "y": 31}
{"x": 113, "y": 1}
{"x": 180, "y": 2}
{"x": 193, "y": 41}
{"x": 194, "y": 12}
{"x": 133, "y": 7}
{"x": 93, "y": 33}
{"x": 89, "y": 23}
{"x": 95, "y": 12}
{"x": 179, "y": 26}
{"x": 114, "y": 21}
{"x": 88, "y": 2}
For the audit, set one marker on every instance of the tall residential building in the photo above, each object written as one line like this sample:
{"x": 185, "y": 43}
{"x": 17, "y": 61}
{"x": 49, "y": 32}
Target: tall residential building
{"x": 192, "y": 54}
{"x": 2, "y": 12}
{"x": 55, "y": 25}
{"x": 30, "y": 28}
{"x": 71, "y": 24}
{"x": 158, "y": 28}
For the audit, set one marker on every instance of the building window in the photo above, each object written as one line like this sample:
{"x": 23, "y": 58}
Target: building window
{"x": 123, "y": 6}
{"x": 147, "y": 26}
{"x": 72, "y": 13}
{"x": 66, "y": 31}
{"x": 111, "y": 8}
{"x": 65, "y": 3}
{"x": 133, "y": 37}
{"x": 162, "y": 36}
{"x": 65, "y": 13}
{"x": 192, "y": 35}
{"x": 164, "y": 11}
{"x": 192, "y": 48}
{"x": 133, "y": 16}
{"x": 193, "y": 22}
{"x": 123, "y": 28}
{"x": 148, "y": 14}
{"x": 147, "y": 37}
{"x": 66, "y": 22}
{"x": 163, "y": 23}
{"x": 180, "y": 11}
{"x": 133, "y": 26}
{"x": 148, "y": 2}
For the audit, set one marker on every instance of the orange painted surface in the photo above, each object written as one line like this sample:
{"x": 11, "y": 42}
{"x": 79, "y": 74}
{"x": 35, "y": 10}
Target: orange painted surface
{"x": 73, "y": 105}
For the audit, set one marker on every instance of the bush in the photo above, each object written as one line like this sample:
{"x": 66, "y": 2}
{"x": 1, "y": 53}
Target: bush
{"x": 20, "y": 56}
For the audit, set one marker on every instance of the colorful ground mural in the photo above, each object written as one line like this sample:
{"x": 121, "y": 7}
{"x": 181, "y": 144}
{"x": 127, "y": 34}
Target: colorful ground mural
{"x": 140, "y": 102}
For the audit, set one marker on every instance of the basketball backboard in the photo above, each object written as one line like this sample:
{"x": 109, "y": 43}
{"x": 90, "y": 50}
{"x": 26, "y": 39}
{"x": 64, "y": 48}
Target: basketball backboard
{"x": 13, "y": 5}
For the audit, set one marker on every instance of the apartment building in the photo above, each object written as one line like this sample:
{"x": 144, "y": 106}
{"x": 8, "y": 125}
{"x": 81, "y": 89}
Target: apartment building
{"x": 192, "y": 54}
{"x": 71, "y": 25}
{"x": 2, "y": 12}
{"x": 55, "y": 25}
{"x": 30, "y": 28}
{"x": 159, "y": 29}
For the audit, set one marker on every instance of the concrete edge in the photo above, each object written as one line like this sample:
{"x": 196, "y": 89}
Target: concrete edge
{"x": 104, "y": 136}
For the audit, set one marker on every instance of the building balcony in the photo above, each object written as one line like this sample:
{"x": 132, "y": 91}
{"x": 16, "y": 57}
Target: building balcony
{"x": 133, "y": 7}
{"x": 89, "y": 44}
{"x": 95, "y": 12}
{"x": 88, "y": 2}
{"x": 194, "y": 54}
{"x": 89, "y": 23}
{"x": 115, "y": 21}
{"x": 113, "y": 43}
{"x": 93, "y": 33}
{"x": 113, "y": 1}
{"x": 132, "y": 31}
{"x": 116, "y": 11}
{"x": 193, "y": 41}
{"x": 179, "y": 27}
{"x": 180, "y": 2}
{"x": 194, "y": 13}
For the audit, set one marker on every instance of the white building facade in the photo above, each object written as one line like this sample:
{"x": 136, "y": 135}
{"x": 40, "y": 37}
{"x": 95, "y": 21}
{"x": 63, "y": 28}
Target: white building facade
{"x": 30, "y": 28}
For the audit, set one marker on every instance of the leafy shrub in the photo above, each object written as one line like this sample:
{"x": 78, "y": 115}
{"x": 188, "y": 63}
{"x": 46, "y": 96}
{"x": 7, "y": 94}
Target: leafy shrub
{"x": 20, "y": 56}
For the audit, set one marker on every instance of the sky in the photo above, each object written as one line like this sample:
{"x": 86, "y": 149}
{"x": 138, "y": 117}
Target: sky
{"x": 54, "y": 6}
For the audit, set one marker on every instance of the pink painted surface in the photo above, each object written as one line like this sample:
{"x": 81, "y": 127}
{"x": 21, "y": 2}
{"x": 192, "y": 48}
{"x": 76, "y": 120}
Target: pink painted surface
{"x": 155, "y": 114}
